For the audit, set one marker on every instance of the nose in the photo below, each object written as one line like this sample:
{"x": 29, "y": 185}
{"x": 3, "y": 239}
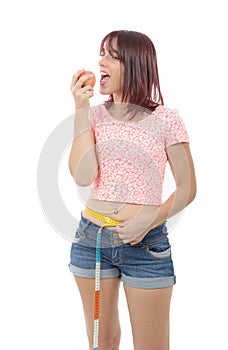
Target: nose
{"x": 102, "y": 61}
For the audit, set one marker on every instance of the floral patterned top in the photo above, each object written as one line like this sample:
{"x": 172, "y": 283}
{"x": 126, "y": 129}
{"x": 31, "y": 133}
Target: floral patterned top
{"x": 132, "y": 154}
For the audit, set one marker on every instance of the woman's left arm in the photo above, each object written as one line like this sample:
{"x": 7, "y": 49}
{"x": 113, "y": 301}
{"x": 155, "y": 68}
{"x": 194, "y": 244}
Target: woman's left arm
{"x": 182, "y": 167}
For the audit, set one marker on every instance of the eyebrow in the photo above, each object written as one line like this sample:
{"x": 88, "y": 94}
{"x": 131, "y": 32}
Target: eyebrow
{"x": 114, "y": 51}
{"x": 110, "y": 49}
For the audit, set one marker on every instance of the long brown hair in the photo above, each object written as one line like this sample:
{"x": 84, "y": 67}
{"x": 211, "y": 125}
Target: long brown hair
{"x": 138, "y": 54}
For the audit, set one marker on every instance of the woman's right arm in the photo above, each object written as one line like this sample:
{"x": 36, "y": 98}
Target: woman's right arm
{"x": 83, "y": 163}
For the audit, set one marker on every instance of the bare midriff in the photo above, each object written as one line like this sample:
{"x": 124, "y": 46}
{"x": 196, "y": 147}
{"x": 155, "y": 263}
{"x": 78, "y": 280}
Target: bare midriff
{"x": 115, "y": 210}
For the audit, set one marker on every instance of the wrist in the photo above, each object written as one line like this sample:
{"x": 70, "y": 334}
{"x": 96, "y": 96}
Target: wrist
{"x": 81, "y": 121}
{"x": 158, "y": 217}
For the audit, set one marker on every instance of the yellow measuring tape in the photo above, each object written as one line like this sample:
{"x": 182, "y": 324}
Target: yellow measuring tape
{"x": 107, "y": 221}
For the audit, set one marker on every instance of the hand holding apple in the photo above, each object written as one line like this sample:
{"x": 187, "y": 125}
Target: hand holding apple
{"x": 91, "y": 78}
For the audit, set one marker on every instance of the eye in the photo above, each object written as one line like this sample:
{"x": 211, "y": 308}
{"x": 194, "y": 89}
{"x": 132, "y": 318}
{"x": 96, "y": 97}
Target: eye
{"x": 114, "y": 55}
{"x": 115, "y": 58}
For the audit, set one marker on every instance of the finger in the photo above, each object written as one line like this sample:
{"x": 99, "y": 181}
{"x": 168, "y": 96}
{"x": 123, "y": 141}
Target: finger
{"x": 88, "y": 92}
{"x": 80, "y": 84}
{"x": 122, "y": 225}
{"x": 135, "y": 242}
{"x": 131, "y": 241}
{"x": 126, "y": 238}
{"x": 120, "y": 230}
{"x": 75, "y": 77}
{"x": 123, "y": 236}
{"x": 86, "y": 88}
{"x": 84, "y": 78}
{"x": 126, "y": 241}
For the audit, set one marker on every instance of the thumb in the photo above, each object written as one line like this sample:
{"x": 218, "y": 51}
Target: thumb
{"x": 121, "y": 226}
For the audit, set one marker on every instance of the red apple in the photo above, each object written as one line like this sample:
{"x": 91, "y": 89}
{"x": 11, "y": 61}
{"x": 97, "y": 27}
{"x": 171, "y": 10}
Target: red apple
{"x": 89, "y": 81}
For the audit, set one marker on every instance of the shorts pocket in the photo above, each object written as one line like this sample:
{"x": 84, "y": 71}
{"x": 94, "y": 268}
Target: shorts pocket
{"x": 86, "y": 234}
{"x": 160, "y": 249}
{"x": 80, "y": 232}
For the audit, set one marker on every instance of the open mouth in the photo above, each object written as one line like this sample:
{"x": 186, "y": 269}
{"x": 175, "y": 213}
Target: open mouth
{"x": 104, "y": 78}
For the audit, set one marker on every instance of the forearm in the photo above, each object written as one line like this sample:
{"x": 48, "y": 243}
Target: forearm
{"x": 134, "y": 230}
{"x": 82, "y": 160}
{"x": 175, "y": 203}
{"x": 182, "y": 167}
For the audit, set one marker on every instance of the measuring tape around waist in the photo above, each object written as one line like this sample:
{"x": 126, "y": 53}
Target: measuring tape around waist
{"x": 107, "y": 222}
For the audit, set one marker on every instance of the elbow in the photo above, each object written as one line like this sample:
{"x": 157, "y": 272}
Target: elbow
{"x": 192, "y": 196}
{"x": 192, "y": 192}
{"x": 185, "y": 194}
{"x": 82, "y": 178}
{"x": 83, "y": 182}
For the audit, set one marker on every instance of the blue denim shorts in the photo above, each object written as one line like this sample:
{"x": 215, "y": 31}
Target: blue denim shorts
{"x": 146, "y": 265}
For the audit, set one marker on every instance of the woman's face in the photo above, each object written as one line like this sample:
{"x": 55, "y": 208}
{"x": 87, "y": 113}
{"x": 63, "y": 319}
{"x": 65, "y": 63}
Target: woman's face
{"x": 112, "y": 74}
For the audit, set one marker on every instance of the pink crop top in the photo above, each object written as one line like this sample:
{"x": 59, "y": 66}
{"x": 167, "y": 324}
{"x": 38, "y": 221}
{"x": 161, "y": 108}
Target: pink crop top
{"x": 132, "y": 154}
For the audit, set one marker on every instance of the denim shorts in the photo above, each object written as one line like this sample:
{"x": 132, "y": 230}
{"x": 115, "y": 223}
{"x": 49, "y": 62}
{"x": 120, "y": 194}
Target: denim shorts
{"x": 146, "y": 265}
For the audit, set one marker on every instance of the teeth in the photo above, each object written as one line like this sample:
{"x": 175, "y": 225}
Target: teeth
{"x": 104, "y": 74}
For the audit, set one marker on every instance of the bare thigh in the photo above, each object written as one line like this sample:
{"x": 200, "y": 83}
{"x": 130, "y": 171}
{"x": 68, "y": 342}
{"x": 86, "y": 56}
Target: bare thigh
{"x": 149, "y": 314}
{"x": 109, "y": 327}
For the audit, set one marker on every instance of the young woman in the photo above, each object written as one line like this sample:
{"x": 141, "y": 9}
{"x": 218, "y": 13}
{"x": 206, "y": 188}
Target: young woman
{"x": 121, "y": 147}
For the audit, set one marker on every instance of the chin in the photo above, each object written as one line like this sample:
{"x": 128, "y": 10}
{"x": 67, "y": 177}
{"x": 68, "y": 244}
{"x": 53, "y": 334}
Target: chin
{"x": 103, "y": 91}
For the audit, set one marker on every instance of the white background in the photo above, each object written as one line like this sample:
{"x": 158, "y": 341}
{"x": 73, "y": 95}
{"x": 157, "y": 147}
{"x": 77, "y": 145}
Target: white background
{"x": 42, "y": 44}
